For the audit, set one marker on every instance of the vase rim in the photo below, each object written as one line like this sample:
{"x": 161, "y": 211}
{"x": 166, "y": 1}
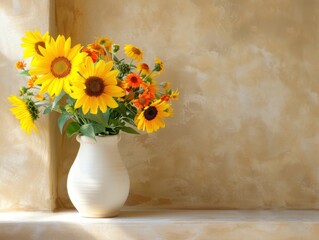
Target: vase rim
{"x": 99, "y": 139}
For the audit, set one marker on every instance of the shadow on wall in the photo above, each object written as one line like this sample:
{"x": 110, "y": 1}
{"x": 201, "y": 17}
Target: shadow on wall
{"x": 23, "y": 158}
{"x": 66, "y": 149}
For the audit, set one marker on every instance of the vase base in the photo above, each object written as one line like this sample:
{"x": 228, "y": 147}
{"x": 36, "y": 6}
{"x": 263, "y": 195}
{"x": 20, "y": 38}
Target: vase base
{"x": 102, "y": 215}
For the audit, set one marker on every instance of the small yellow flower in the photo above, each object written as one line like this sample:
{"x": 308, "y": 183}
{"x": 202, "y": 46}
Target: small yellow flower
{"x": 105, "y": 42}
{"x": 133, "y": 52}
{"x": 159, "y": 66}
{"x": 20, "y": 65}
{"x": 175, "y": 95}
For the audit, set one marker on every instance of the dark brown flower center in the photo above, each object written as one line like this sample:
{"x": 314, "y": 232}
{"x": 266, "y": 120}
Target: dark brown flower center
{"x": 150, "y": 113}
{"x": 134, "y": 79}
{"x": 36, "y": 47}
{"x": 94, "y": 86}
{"x": 60, "y": 67}
{"x": 141, "y": 100}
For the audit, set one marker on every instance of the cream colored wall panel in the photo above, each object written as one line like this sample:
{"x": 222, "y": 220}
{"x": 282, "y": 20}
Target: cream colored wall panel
{"x": 245, "y": 132}
{"x": 24, "y": 160}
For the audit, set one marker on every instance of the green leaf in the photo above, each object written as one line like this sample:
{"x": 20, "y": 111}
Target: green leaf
{"x": 116, "y": 123}
{"x": 106, "y": 115}
{"x": 99, "y": 118}
{"x": 129, "y": 121}
{"x": 121, "y": 109}
{"x": 57, "y": 99}
{"x": 87, "y": 130}
{"x": 129, "y": 130}
{"x": 25, "y": 73}
{"x": 72, "y": 128}
{"x": 98, "y": 128}
{"x": 47, "y": 110}
{"x": 70, "y": 101}
{"x": 64, "y": 117}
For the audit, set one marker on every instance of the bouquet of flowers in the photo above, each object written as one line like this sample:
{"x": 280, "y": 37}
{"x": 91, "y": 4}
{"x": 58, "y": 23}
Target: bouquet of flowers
{"x": 96, "y": 92}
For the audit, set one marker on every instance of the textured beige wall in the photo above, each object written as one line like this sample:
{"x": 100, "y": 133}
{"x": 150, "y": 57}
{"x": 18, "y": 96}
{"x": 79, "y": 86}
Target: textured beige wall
{"x": 246, "y": 131}
{"x": 24, "y": 160}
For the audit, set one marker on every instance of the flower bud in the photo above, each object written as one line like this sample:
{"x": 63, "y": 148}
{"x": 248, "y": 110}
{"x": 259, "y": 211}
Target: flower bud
{"x": 157, "y": 67}
{"x": 23, "y": 90}
{"x": 69, "y": 109}
{"x": 116, "y": 47}
{"x": 124, "y": 68}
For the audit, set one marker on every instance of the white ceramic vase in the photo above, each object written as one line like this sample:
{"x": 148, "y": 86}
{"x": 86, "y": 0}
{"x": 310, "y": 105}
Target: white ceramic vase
{"x": 98, "y": 182}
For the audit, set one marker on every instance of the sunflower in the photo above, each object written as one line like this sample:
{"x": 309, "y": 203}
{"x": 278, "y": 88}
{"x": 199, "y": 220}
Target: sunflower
{"x": 133, "y": 52}
{"x": 97, "y": 87}
{"x": 58, "y": 66}
{"x": 151, "y": 118}
{"x": 33, "y": 42}
{"x": 26, "y": 111}
{"x": 133, "y": 80}
{"x": 143, "y": 68}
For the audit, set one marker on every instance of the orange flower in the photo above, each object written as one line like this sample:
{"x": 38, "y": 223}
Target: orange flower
{"x": 165, "y": 97}
{"x": 150, "y": 89}
{"x": 39, "y": 97}
{"x": 133, "y": 80}
{"x": 99, "y": 51}
{"x": 105, "y": 42}
{"x": 142, "y": 101}
{"x": 93, "y": 54}
{"x": 95, "y": 47}
{"x": 143, "y": 68}
{"x": 31, "y": 81}
{"x": 20, "y": 65}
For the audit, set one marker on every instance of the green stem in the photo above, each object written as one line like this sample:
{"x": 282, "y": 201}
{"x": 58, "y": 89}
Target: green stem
{"x": 148, "y": 75}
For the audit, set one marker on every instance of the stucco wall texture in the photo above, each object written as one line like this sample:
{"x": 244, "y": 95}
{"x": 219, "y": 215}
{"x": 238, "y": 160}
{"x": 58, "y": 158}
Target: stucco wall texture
{"x": 245, "y": 132}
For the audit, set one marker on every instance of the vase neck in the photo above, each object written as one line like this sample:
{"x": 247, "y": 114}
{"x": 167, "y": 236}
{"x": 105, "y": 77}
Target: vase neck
{"x": 112, "y": 139}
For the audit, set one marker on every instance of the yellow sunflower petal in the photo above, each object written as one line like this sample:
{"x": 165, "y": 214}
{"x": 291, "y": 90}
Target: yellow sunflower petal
{"x": 110, "y": 101}
{"x": 114, "y": 91}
